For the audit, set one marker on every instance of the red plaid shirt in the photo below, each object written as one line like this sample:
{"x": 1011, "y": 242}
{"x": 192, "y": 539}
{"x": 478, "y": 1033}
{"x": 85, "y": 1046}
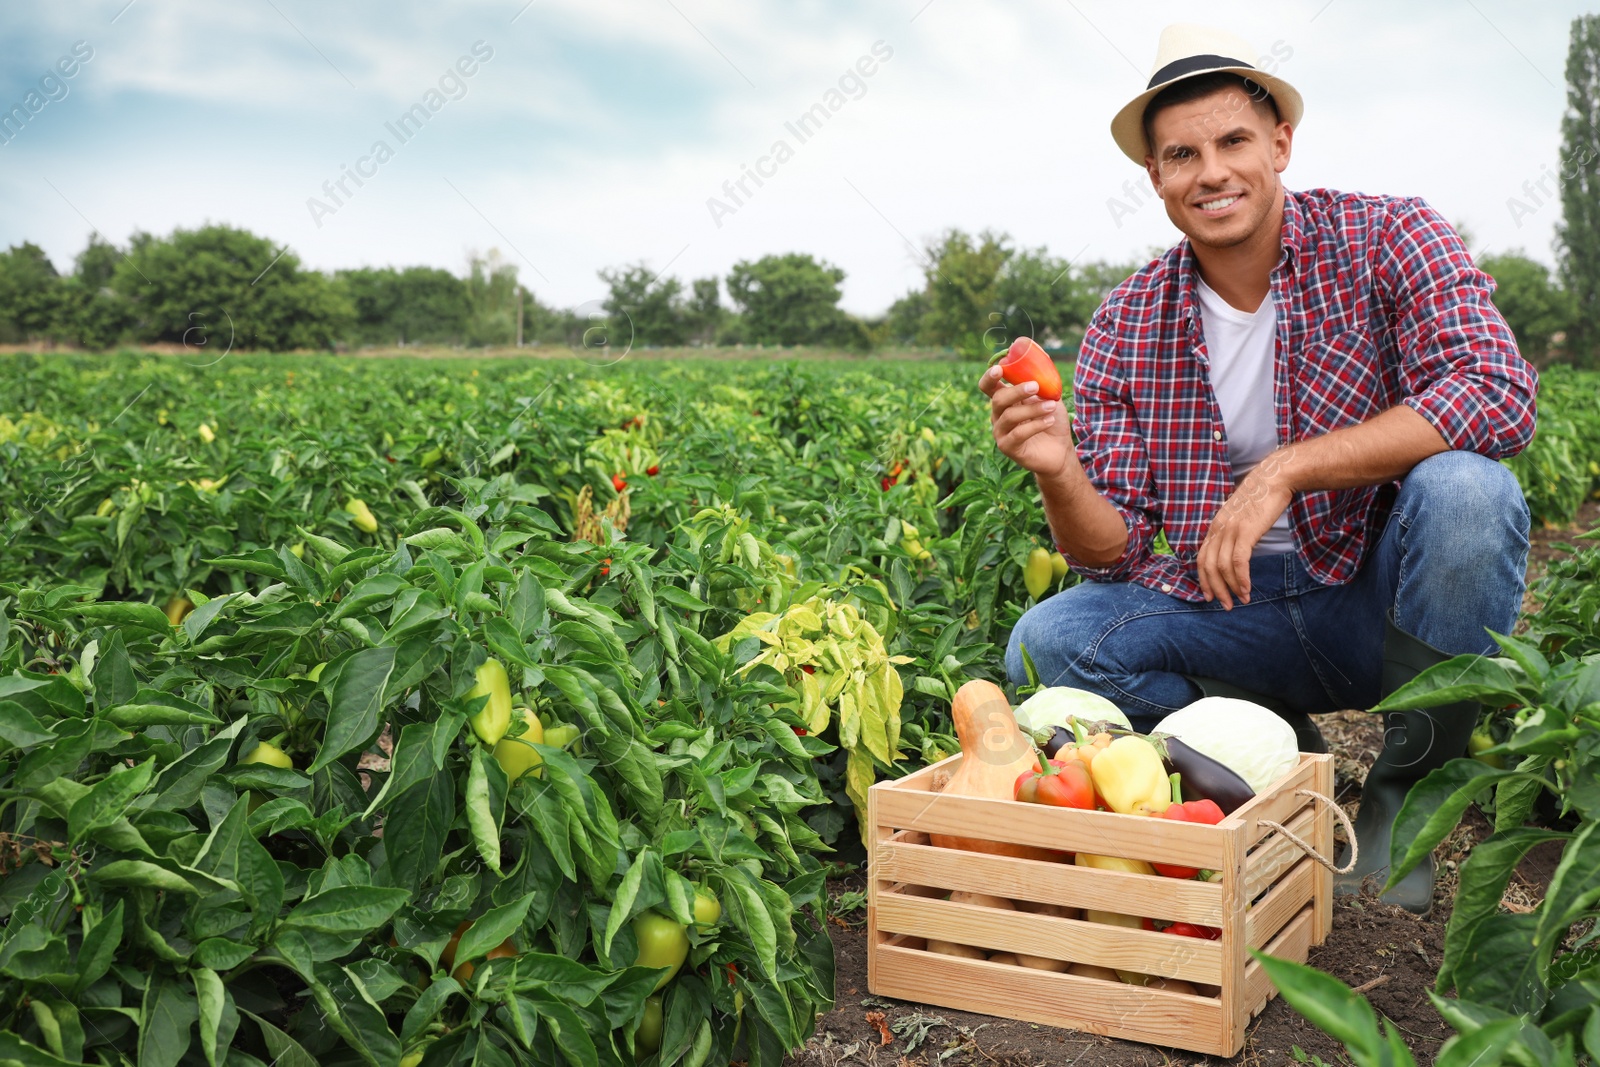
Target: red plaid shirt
{"x": 1378, "y": 304}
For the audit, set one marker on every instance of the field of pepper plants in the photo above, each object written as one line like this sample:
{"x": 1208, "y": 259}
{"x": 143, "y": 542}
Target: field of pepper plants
{"x": 496, "y": 711}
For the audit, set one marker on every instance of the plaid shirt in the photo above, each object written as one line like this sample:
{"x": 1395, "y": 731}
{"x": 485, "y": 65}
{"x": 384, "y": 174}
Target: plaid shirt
{"x": 1378, "y": 303}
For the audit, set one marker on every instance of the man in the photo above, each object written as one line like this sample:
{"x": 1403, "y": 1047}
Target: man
{"x": 1308, "y": 396}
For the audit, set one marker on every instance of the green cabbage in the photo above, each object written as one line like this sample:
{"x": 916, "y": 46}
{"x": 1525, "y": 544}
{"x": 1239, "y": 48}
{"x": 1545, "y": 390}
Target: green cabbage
{"x": 1253, "y": 741}
{"x": 1052, "y": 707}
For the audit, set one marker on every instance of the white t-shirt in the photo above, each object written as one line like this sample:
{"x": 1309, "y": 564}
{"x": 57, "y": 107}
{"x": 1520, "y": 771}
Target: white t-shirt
{"x": 1242, "y": 346}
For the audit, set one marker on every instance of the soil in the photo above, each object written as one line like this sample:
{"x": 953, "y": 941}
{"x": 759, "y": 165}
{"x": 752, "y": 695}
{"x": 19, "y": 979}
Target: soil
{"x": 1390, "y": 955}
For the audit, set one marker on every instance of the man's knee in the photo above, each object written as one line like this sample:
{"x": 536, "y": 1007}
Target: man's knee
{"x": 1471, "y": 492}
{"x": 1055, "y": 632}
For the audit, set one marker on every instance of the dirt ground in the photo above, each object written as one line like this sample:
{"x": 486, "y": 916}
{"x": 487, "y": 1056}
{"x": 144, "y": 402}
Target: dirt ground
{"x": 1391, "y": 955}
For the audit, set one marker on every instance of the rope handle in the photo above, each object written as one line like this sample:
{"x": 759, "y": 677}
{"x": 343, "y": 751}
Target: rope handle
{"x": 1308, "y": 849}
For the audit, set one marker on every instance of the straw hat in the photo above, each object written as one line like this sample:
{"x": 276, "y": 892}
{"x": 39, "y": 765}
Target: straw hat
{"x": 1187, "y": 50}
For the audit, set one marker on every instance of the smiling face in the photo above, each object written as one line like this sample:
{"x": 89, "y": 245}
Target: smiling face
{"x": 1216, "y": 163}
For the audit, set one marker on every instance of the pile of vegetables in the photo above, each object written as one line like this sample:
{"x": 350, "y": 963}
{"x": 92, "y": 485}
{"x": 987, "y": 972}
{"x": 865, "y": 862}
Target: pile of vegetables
{"x": 1045, "y": 753}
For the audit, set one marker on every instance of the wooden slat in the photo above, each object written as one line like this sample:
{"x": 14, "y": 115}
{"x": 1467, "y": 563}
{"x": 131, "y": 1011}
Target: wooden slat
{"x": 921, "y": 779}
{"x": 1278, "y": 804}
{"x": 1100, "y": 832}
{"x": 1234, "y": 903}
{"x": 1050, "y": 883}
{"x": 1292, "y": 943}
{"x": 1276, "y": 855}
{"x": 1087, "y": 1004}
{"x": 1322, "y": 837}
{"x": 1074, "y": 940}
{"x": 1284, "y": 901}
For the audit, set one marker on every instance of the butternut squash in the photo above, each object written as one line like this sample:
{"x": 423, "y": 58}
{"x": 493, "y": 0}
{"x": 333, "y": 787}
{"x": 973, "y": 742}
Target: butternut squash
{"x": 994, "y": 751}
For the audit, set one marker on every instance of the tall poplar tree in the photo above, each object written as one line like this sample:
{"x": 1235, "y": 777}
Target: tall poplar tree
{"x": 1578, "y": 235}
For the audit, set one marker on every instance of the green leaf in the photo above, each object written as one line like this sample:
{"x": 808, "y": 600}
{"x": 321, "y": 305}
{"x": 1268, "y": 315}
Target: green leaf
{"x": 195, "y": 623}
{"x": 19, "y": 728}
{"x": 222, "y": 954}
{"x": 1330, "y": 1006}
{"x": 355, "y": 703}
{"x": 526, "y": 610}
{"x": 1433, "y": 808}
{"x": 284, "y": 1050}
{"x": 678, "y": 598}
{"x": 1515, "y": 798}
{"x": 350, "y": 910}
{"x": 1484, "y": 1045}
{"x": 1500, "y": 964}
{"x": 168, "y": 1013}
{"x": 417, "y": 757}
{"x": 140, "y": 873}
{"x": 492, "y": 928}
{"x": 414, "y": 833}
{"x": 426, "y": 1007}
{"x": 622, "y": 906}
{"x": 99, "y": 948}
{"x": 112, "y": 677}
{"x": 14, "y": 1050}
{"x": 1483, "y": 879}
{"x": 125, "y": 613}
{"x": 749, "y": 913}
{"x": 1573, "y": 890}
{"x": 1459, "y": 678}
{"x": 108, "y": 800}
{"x": 218, "y": 1017}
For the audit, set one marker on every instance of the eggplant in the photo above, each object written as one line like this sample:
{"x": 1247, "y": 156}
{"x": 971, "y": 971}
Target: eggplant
{"x": 1203, "y": 778}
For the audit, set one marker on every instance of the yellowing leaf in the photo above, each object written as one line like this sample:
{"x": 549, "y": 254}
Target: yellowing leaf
{"x": 815, "y": 707}
{"x": 849, "y": 719}
{"x": 858, "y": 778}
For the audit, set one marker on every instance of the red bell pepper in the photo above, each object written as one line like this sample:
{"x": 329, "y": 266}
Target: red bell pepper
{"x": 1205, "y": 812}
{"x": 1027, "y": 362}
{"x": 1058, "y": 783}
{"x": 1209, "y": 933}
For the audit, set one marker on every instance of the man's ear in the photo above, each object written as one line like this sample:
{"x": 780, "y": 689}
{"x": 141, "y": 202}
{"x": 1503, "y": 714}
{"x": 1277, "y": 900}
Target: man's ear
{"x": 1282, "y": 146}
{"x": 1153, "y": 169}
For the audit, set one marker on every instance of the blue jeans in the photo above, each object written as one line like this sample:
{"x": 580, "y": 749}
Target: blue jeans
{"x": 1449, "y": 566}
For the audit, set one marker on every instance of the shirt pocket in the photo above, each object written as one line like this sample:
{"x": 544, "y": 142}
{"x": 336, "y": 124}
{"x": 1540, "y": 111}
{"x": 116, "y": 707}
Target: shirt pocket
{"x": 1337, "y": 382}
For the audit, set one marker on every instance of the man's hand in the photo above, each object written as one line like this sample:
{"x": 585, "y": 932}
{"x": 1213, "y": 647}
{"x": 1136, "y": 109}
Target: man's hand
{"x": 1241, "y": 522}
{"x": 1034, "y": 433}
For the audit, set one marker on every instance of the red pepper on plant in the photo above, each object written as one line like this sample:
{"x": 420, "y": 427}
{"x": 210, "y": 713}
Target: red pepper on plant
{"x": 1058, "y": 783}
{"x": 1205, "y": 812}
{"x": 618, "y": 482}
{"x": 653, "y": 470}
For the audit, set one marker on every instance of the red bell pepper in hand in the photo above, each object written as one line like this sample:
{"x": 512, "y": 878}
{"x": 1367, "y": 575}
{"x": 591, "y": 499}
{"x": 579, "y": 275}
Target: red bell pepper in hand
{"x": 1027, "y": 362}
{"x": 1058, "y": 783}
{"x": 1205, "y": 812}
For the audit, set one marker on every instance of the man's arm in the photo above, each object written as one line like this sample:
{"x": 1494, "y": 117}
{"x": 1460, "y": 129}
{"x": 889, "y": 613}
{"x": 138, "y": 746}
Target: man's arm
{"x": 1035, "y": 434}
{"x": 1380, "y": 450}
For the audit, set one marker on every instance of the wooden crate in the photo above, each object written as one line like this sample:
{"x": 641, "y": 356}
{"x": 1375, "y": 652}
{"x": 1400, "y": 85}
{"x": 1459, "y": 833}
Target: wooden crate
{"x": 1271, "y": 896}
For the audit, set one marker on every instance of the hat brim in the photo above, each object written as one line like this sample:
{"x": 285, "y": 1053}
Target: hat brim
{"x": 1127, "y": 128}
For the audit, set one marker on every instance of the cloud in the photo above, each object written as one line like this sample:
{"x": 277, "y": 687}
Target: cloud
{"x": 599, "y": 130}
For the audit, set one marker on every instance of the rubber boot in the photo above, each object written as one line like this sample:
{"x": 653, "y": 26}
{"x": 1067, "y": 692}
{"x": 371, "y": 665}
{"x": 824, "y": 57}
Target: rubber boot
{"x": 1414, "y": 743}
{"x": 1307, "y": 737}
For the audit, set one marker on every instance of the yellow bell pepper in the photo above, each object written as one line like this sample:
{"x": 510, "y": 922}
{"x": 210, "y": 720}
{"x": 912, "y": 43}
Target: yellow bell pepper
{"x": 1130, "y": 777}
{"x": 1113, "y": 863}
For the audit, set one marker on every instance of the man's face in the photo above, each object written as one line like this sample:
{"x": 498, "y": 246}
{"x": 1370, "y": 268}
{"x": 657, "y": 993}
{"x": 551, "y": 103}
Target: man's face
{"x": 1216, "y": 164}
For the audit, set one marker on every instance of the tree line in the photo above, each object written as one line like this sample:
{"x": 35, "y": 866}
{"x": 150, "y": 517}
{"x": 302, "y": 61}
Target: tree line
{"x": 224, "y": 286}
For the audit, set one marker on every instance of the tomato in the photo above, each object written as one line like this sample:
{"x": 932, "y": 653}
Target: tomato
{"x": 663, "y": 942}
{"x": 492, "y": 721}
{"x": 270, "y": 754}
{"x": 516, "y": 755}
{"x": 647, "y": 1038}
{"x": 707, "y": 908}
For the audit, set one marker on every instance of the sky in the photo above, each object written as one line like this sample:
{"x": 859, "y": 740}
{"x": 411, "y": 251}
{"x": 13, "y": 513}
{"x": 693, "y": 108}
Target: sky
{"x": 579, "y": 135}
